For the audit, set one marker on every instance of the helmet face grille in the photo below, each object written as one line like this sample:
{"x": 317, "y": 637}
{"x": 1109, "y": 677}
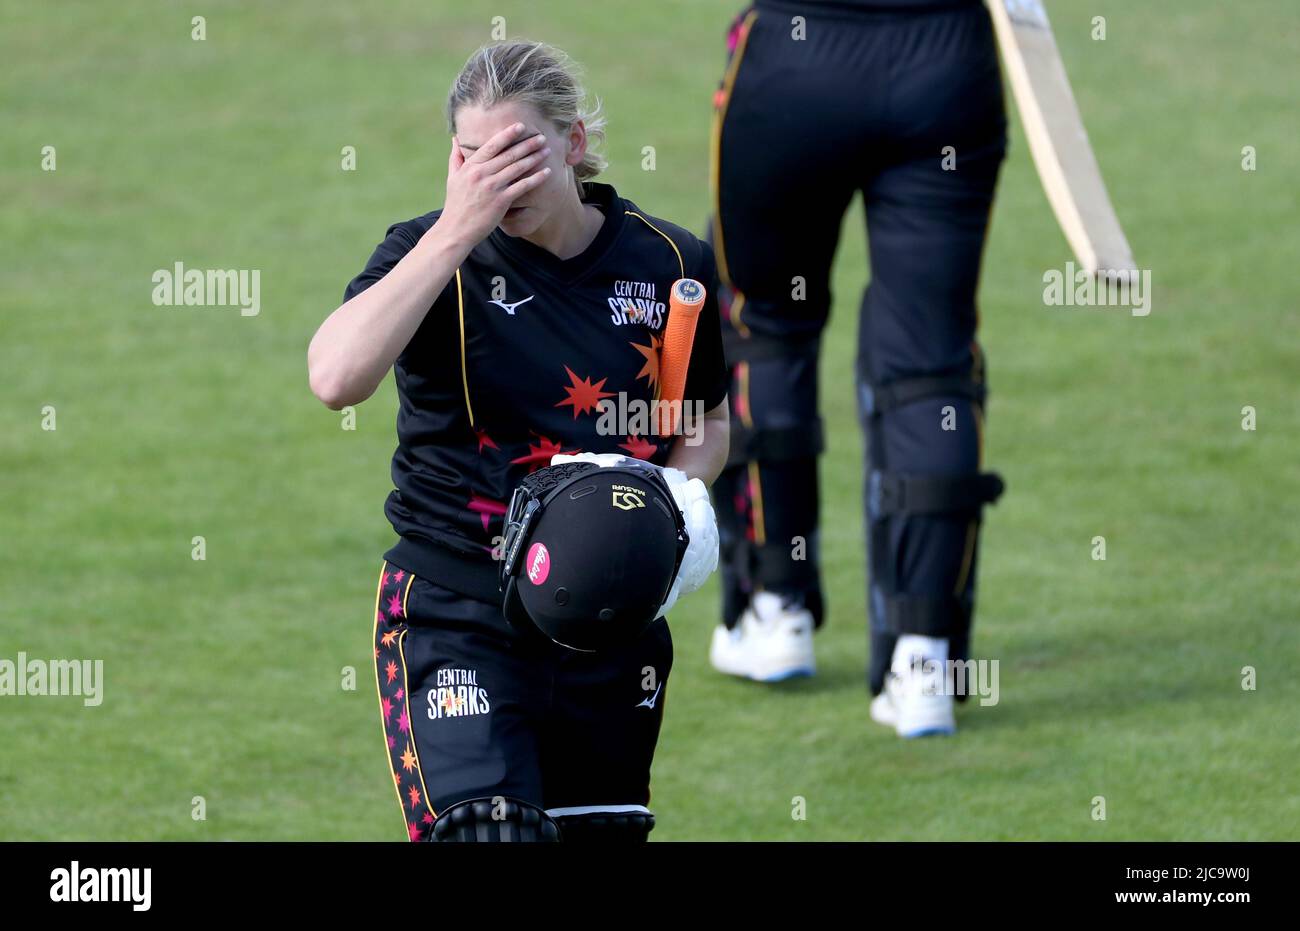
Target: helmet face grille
{"x": 529, "y": 498}
{"x": 543, "y": 481}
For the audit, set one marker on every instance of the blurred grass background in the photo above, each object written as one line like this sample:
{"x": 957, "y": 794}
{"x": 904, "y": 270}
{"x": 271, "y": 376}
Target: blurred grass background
{"x": 1118, "y": 678}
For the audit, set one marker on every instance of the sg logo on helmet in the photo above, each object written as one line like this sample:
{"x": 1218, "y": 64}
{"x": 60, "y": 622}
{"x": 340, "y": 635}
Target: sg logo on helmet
{"x": 627, "y": 498}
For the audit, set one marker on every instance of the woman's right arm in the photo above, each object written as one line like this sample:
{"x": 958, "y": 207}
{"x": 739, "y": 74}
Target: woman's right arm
{"x": 359, "y": 342}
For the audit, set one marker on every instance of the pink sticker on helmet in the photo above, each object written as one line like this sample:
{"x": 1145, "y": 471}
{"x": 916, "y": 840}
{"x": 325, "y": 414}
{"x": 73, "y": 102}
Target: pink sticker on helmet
{"x": 538, "y": 564}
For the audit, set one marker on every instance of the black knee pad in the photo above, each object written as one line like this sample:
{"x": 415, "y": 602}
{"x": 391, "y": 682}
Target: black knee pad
{"x": 494, "y": 820}
{"x": 605, "y": 827}
{"x": 778, "y": 420}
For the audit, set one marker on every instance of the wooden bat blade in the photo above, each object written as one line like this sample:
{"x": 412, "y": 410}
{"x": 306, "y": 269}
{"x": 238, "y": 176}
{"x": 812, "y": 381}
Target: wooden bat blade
{"x": 1058, "y": 141}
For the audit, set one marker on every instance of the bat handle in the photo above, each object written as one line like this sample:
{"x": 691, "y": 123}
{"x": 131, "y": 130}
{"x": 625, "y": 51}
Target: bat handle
{"x": 684, "y": 302}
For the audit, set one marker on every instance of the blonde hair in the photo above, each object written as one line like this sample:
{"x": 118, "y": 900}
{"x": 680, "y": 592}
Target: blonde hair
{"x": 536, "y": 74}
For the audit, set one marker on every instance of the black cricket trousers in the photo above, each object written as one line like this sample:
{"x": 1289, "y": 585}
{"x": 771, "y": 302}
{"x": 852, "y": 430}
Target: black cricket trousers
{"x": 905, "y": 107}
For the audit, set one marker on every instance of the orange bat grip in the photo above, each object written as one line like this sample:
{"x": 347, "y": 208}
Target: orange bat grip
{"x": 684, "y": 303}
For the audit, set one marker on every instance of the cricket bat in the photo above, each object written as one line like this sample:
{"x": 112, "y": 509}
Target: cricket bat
{"x": 1057, "y": 140}
{"x": 684, "y": 303}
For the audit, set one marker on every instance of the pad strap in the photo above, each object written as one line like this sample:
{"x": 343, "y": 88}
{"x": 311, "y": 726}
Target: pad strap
{"x": 775, "y": 445}
{"x": 760, "y": 348}
{"x": 630, "y": 826}
{"x": 891, "y": 493}
{"x": 881, "y": 399}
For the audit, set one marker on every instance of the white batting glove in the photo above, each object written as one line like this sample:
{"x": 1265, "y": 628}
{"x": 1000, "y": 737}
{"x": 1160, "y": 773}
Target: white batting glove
{"x": 701, "y": 557}
{"x": 692, "y": 499}
{"x": 601, "y": 459}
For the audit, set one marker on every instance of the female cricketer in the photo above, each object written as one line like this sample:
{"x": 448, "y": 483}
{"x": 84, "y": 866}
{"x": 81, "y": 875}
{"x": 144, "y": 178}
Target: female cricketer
{"x": 515, "y": 319}
{"x": 900, "y": 101}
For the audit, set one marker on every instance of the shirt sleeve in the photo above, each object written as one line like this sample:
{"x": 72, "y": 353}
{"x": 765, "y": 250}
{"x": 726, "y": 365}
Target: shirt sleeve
{"x": 388, "y": 253}
{"x": 707, "y": 377}
{"x": 401, "y": 239}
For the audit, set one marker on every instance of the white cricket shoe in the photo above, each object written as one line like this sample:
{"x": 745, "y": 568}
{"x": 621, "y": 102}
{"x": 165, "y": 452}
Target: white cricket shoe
{"x": 882, "y": 706}
{"x": 916, "y": 701}
{"x": 769, "y": 643}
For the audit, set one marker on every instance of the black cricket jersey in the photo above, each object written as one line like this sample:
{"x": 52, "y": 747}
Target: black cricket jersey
{"x": 511, "y": 365}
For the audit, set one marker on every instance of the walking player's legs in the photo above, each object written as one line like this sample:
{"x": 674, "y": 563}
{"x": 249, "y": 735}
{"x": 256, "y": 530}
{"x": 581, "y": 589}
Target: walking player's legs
{"x": 786, "y": 152}
{"x": 494, "y": 734}
{"x": 599, "y": 738}
{"x": 460, "y": 700}
{"x": 921, "y": 383}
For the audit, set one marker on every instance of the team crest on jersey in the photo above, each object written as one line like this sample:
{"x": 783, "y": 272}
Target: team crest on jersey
{"x": 634, "y": 302}
{"x": 457, "y": 694}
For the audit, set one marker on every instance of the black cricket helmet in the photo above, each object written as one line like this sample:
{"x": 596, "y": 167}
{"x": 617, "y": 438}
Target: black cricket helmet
{"x": 590, "y": 552}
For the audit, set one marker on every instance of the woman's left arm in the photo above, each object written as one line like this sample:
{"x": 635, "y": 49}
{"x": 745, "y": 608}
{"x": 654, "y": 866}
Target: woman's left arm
{"x": 703, "y": 454}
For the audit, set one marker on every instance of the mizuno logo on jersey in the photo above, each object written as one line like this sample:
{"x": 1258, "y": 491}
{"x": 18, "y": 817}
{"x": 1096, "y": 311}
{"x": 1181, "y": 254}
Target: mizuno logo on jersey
{"x": 510, "y": 308}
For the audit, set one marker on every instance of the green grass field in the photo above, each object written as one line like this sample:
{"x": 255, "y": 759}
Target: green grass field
{"x": 1119, "y": 678}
